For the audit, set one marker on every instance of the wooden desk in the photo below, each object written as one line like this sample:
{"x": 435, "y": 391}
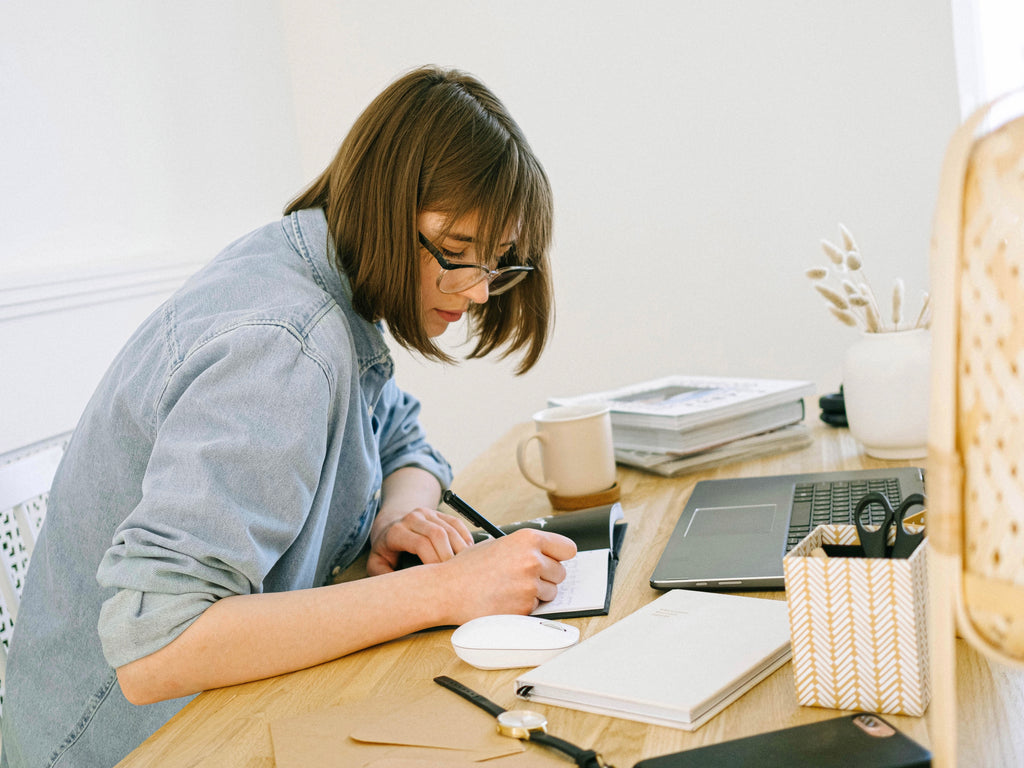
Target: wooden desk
{"x": 229, "y": 728}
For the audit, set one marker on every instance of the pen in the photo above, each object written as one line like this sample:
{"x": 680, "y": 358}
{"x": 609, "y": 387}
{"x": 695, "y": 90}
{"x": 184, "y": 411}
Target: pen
{"x": 471, "y": 514}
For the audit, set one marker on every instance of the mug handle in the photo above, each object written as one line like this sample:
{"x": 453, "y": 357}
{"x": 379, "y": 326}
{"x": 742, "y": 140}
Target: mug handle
{"x": 521, "y": 460}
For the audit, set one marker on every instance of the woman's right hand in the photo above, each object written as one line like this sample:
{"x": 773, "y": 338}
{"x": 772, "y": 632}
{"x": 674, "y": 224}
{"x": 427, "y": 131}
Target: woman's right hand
{"x": 513, "y": 574}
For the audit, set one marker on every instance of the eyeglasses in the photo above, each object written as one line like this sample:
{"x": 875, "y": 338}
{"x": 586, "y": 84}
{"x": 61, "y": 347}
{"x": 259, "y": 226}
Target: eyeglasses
{"x": 456, "y": 278}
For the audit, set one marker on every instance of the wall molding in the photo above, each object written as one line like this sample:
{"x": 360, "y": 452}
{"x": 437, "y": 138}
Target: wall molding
{"x": 42, "y": 296}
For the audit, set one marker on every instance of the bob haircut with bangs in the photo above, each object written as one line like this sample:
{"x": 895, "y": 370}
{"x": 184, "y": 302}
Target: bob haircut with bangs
{"x": 438, "y": 140}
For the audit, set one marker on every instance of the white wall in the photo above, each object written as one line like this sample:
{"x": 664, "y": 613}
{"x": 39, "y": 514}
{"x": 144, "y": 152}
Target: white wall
{"x": 139, "y": 131}
{"x": 698, "y": 153}
{"x": 136, "y": 140}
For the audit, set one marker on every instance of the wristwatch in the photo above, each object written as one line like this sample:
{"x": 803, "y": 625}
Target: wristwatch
{"x": 525, "y": 724}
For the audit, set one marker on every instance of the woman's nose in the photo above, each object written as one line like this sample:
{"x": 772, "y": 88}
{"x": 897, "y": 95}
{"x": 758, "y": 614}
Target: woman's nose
{"x": 478, "y": 293}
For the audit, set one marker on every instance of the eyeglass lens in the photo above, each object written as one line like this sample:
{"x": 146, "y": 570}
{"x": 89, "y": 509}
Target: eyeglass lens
{"x": 458, "y": 280}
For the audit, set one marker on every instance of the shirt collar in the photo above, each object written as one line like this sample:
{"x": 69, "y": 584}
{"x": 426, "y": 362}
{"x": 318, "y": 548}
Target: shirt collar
{"x": 309, "y": 228}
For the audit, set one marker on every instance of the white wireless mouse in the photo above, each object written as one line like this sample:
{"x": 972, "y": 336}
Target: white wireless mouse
{"x": 507, "y": 641}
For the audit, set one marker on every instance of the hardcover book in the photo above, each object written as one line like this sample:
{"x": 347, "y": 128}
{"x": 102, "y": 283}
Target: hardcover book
{"x": 684, "y": 414}
{"x": 678, "y": 661}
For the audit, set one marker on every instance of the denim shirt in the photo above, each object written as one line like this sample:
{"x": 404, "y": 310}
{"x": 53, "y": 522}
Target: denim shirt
{"x": 236, "y": 445}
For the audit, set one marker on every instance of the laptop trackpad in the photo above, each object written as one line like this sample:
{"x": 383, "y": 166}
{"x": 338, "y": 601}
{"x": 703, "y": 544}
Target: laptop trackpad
{"x": 716, "y": 521}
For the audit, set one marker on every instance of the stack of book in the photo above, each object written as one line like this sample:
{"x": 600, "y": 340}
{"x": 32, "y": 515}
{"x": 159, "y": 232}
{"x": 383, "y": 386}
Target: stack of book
{"x": 681, "y": 424}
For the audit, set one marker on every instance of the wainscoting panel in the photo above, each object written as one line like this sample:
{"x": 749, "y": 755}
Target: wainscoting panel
{"x": 58, "y": 336}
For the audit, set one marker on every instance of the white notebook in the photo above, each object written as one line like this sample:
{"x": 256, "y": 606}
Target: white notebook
{"x": 678, "y": 661}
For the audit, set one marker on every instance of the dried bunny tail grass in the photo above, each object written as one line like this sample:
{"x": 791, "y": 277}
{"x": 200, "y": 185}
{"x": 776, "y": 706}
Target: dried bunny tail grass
{"x": 852, "y": 300}
{"x": 834, "y": 298}
{"x": 848, "y": 242}
{"x": 924, "y": 317}
{"x": 897, "y": 303}
{"x": 846, "y": 318}
{"x": 872, "y": 320}
{"x": 834, "y": 252}
{"x": 867, "y": 293}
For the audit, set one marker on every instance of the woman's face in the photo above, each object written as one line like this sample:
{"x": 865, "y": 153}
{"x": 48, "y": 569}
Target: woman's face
{"x": 442, "y": 309}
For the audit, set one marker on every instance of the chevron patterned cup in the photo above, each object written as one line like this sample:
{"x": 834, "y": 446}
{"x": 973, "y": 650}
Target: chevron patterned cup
{"x": 858, "y": 626}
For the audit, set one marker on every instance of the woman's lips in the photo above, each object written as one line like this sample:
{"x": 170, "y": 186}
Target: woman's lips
{"x": 449, "y": 317}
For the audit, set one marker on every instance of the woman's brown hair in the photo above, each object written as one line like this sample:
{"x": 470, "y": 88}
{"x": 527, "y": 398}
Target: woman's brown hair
{"x": 438, "y": 140}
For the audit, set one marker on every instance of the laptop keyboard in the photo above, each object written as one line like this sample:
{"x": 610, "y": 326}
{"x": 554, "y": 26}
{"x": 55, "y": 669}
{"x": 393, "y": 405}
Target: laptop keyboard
{"x": 833, "y": 503}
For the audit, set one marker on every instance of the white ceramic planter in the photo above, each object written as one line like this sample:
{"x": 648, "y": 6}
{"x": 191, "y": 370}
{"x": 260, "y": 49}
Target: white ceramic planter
{"x": 885, "y": 387}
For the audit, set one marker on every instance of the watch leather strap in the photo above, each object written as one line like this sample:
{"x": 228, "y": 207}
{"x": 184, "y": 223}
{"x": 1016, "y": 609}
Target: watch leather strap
{"x": 470, "y": 695}
{"x": 585, "y": 758}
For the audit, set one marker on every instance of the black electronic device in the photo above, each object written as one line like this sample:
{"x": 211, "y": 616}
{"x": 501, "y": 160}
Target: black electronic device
{"x": 853, "y": 741}
{"x": 833, "y": 409}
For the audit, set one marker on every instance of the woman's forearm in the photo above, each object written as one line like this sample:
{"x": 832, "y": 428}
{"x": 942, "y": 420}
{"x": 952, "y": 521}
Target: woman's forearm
{"x": 250, "y": 637}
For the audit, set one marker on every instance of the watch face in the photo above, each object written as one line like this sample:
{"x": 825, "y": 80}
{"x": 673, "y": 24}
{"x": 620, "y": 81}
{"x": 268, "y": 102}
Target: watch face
{"x": 522, "y": 718}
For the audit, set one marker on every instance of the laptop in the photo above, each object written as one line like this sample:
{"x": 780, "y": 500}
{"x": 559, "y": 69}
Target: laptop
{"x": 733, "y": 533}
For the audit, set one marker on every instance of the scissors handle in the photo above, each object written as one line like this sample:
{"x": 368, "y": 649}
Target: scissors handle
{"x": 906, "y": 542}
{"x": 874, "y": 541}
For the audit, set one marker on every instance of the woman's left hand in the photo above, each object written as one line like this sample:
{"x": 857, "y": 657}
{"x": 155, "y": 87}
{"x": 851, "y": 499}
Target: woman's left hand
{"x": 431, "y": 535}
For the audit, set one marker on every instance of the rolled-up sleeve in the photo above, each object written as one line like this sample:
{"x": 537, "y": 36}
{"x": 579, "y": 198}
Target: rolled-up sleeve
{"x": 236, "y": 462}
{"x": 403, "y": 442}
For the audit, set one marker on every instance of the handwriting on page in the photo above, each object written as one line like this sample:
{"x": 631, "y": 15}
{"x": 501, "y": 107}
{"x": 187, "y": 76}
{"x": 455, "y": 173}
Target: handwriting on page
{"x": 585, "y": 585}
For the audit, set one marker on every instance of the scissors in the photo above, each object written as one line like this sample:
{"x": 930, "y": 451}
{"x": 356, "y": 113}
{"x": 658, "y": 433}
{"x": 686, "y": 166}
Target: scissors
{"x": 875, "y": 542}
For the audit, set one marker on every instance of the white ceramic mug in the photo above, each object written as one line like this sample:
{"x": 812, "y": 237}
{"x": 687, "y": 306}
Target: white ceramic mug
{"x": 576, "y": 453}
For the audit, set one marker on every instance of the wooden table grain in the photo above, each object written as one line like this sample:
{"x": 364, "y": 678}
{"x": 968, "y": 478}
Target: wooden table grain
{"x": 230, "y": 727}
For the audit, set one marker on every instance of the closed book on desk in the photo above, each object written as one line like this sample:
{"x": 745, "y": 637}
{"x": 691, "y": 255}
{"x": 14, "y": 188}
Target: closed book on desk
{"x": 678, "y": 661}
{"x": 683, "y": 403}
{"x": 701, "y": 437}
{"x": 769, "y": 443}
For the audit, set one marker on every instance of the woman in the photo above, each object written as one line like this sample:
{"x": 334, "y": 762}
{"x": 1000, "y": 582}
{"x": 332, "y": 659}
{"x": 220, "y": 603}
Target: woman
{"x": 250, "y": 440}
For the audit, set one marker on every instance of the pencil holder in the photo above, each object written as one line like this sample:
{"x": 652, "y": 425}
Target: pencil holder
{"x": 858, "y": 626}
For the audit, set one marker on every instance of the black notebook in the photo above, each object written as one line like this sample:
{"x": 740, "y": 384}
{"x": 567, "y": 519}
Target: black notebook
{"x": 587, "y": 588}
{"x": 598, "y": 533}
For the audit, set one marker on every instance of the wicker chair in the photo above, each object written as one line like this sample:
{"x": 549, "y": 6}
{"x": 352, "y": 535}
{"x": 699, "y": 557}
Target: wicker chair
{"x": 25, "y": 477}
{"x": 976, "y": 424}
